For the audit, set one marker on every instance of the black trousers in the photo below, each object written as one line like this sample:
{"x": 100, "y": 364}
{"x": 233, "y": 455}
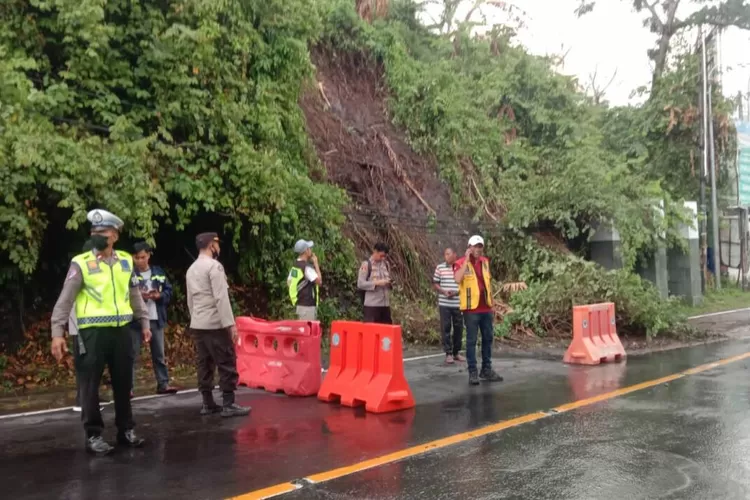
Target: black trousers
{"x": 378, "y": 315}
{"x": 215, "y": 349}
{"x": 451, "y": 318}
{"x": 100, "y": 347}
{"x": 76, "y": 353}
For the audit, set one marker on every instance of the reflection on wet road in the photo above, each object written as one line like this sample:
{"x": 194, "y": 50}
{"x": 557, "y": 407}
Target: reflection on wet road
{"x": 680, "y": 439}
{"x": 685, "y": 439}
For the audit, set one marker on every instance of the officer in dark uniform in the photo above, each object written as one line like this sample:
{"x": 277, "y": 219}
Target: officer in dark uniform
{"x": 101, "y": 286}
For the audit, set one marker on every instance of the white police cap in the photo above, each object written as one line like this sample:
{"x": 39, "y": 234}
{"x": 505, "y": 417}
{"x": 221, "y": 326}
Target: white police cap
{"x": 101, "y": 218}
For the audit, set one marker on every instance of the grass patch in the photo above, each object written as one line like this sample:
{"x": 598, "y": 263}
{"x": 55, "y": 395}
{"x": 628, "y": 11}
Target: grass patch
{"x": 726, "y": 299}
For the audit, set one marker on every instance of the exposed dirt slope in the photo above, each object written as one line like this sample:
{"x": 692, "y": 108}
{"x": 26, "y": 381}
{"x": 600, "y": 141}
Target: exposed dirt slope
{"x": 396, "y": 193}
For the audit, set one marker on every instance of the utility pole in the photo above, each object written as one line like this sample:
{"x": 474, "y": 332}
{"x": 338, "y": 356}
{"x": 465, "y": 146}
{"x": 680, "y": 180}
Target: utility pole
{"x": 703, "y": 217}
{"x": 714, "y": 197}
{"x": 709, "y": 162}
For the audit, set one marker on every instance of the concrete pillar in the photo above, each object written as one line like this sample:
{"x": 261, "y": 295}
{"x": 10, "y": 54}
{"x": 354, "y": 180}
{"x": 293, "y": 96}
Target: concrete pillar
{"x": 653, "y": 266}
{"x": 606, "y": 247}
{"x": 684, "y": 267}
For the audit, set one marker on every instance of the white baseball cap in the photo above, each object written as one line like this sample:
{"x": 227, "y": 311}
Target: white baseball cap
{"x": 476, "y": 240}
{"x": 302, "y": 245}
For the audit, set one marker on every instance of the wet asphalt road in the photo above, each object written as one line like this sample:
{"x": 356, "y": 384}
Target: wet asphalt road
{"x": 685, "y": 439}
{"x": 688, "y": 439}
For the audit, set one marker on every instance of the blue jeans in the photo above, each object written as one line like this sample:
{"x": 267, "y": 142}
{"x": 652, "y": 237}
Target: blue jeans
{"x": 157, "y": 353}
{"x": 476, "y": 322}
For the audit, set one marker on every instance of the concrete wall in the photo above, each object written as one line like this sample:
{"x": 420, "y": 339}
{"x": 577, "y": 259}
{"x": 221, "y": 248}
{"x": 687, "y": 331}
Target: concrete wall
{"x": 654, "y": 268}
{"x": 683, "y": 266}
{"x": 606, "y": 247}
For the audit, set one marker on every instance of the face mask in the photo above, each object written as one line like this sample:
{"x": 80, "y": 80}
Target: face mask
{"x": 214, "y": 253}
{"x": 100, "y": 242}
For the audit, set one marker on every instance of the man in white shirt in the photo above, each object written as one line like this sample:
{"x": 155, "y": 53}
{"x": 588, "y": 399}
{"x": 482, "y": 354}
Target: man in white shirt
{"x": 156, "y": 291}
{"x": 448, "y": 304}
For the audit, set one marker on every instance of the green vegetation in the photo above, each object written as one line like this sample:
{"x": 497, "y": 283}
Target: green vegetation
{"x": 520, "y": 143}
{"x": 728, "y": 298}
{"x": 162, "y": 112}
{"x": 182, "y": 115}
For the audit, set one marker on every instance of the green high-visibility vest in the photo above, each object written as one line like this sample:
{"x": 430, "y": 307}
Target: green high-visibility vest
{"x": 297, "y": 282}
{"x": 104, "y": 299}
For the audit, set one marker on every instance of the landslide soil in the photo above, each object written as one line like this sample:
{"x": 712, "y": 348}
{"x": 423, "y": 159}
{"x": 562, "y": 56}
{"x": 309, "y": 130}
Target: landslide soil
{"x": 396, "y": 192}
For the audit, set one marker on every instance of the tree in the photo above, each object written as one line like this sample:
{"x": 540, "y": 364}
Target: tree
{"x": 163, "y": 112}
{"x": 596, "y": 89}
{"x": 449, "y": 22}
{"x": 662, "y": 20}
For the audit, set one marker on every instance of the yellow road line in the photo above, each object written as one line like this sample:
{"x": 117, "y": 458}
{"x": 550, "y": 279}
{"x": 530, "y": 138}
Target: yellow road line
{"x": 282, "y": 488}
{"x": 423, "y": 448}
{"x": 269, "y": 492}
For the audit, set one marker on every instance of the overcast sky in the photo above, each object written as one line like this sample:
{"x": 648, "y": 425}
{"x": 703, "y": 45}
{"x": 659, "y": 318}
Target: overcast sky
{"x": 612, "y": 37}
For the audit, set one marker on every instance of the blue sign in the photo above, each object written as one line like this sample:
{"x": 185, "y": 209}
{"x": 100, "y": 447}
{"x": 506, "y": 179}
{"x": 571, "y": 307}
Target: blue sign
{"x": 743, "y": 162}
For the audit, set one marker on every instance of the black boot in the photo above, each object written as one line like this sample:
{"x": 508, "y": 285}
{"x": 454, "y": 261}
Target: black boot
{"x": 210, "y": 408}
{"x": 489, "y": 375}
{"x": 130, "y": 439}
{"x": 231, "y": 409}
{"x": 96, "y": 445}
{"x": 473, "y": 378}
{"x": 209, "y": 405}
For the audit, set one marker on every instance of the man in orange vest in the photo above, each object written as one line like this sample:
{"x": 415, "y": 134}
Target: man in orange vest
{"x": 472, "y": 273}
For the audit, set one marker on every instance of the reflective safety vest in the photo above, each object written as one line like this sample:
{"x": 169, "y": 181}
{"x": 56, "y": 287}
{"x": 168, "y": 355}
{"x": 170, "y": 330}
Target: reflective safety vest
{"x": 468, "y": 289}
{"x": 157, "y": 281}
{"x": 297, "y": 282}
{"x": 104, "y": 299}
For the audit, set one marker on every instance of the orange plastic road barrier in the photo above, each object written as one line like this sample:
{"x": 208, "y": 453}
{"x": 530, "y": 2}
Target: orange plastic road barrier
{"x": 367, "y": 367}
{"x": 595, "y": 337}
{"x": 280, "y": 356}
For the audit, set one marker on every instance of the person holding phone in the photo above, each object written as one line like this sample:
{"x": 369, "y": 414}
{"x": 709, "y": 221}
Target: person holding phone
{"x": 157, "y": 293}
{"x": 472, "y": 273}
{"x": 448, "y": 304}
{"x": 374, "y": 279}
{"x": 304, "y": 281}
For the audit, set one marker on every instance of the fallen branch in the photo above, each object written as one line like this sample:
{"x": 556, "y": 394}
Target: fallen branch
{"x": 484, "y": 202}
{"x": 400, "y": 172}
{"x": 514, "y": 287}
{"x": 365, "y": 239}
{"x": 323, "y": 94}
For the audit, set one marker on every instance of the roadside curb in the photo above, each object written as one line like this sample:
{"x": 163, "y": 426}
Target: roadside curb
{"x": 557, "y": 354}
{"x": 552, "y": 354}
